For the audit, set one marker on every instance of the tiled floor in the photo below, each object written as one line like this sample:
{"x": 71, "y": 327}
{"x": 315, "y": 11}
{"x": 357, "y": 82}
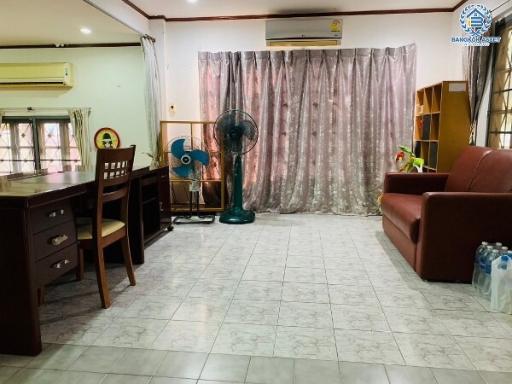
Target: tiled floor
{"x": 290, "y": 299}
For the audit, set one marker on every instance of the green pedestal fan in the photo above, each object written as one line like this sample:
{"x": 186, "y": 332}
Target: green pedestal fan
{"x": 236, "y": 133}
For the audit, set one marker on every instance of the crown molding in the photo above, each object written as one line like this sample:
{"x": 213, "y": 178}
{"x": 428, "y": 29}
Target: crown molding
{"x": 459, "y": 4}
{"x": 63, "y": 46}
{"x": 294, "y": 15}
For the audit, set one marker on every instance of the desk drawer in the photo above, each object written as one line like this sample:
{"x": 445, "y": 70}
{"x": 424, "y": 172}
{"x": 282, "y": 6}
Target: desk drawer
{"x": 56, "y": 265}
{"x": 50, "y": 215}
{"x": 54, "y": 239}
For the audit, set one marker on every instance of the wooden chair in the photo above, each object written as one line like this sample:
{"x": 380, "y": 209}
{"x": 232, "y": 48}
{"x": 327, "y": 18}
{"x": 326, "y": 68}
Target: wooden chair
{"x": 113, "y": 170}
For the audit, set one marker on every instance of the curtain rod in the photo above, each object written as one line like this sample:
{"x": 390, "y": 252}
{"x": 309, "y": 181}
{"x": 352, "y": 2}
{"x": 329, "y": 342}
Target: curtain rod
{"x": 30, "y": 109}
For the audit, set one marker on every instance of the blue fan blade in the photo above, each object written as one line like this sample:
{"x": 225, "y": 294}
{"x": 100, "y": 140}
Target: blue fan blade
{"x": 200, "y": 156}
{"x": 178, "y": 148}
{"x": 183, "y": 171}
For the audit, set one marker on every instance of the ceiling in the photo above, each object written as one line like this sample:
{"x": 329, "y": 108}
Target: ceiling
{"x": 45, "y": 22}
{"x": 29, "y": 22}
{"x": 209, "y": 8}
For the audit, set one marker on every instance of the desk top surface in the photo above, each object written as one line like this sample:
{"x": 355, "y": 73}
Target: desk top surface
{"x": 37, "y": 185}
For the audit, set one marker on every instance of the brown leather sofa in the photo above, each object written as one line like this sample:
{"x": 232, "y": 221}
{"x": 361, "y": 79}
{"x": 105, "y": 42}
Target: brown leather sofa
{"x": 437, "y": 220}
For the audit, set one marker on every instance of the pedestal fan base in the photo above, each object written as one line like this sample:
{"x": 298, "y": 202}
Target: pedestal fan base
{"x": 207, "y": 219}
{"x": 237, "y": 216}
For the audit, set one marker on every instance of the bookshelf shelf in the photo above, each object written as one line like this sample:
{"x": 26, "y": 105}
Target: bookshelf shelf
{"x": 442, "y": 124}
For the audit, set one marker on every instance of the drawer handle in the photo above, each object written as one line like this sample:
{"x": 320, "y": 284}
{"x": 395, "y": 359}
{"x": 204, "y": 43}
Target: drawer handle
{"x": 60, "y": 264}
{"x": 54, "y": 214}
{"x": 58, "y": 240}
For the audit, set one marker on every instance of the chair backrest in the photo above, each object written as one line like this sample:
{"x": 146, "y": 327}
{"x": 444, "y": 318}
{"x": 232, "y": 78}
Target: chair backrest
{"x": 464, "y": 169}
{"x": 494, "y": 173}
{"x": 113, "y": 172}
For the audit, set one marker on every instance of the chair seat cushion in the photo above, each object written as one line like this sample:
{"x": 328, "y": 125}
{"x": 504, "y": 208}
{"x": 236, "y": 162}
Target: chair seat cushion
{"x": 108, "y": 226}
{"x": 404, "y": 211}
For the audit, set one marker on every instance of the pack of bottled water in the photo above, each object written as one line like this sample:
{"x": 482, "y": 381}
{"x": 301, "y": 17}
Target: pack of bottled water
{"x": 492, "y": 275}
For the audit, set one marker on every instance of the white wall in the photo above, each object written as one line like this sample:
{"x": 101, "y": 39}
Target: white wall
{"x": 108, "y": 80}
{"x": 431, "y": 33}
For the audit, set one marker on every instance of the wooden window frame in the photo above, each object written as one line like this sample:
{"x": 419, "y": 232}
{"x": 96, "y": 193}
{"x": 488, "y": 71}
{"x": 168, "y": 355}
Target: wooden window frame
{"x": 37, "y": 123}
{"x": 502, "y": 25}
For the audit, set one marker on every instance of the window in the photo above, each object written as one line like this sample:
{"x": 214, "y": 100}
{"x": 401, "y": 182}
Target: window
{"x": 500, "y": 118}
{"x": 29, "y": 144}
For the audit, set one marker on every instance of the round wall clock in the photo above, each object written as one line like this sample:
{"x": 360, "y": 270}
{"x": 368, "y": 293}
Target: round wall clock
{"x": 107, "y": 138}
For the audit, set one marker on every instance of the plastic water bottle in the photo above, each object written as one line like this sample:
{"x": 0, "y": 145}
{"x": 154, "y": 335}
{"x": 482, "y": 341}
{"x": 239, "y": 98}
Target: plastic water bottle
{"x": 476, "y": 268}
{"x": 481, "y": 267}
{"x": 503, "y": 262}
{"x": 503, "y": 250}
{"x": 501, "y": 283}
{"x": 486, "y": 282}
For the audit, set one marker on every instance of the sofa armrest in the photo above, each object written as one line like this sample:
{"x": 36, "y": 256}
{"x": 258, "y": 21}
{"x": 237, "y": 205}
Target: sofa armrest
{"x": 414, "y": 183}
{"x": 452, "y": 226}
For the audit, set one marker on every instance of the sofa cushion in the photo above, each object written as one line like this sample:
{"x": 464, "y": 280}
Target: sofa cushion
{"x": 465, "y": 168}
{"x": 404, "y": 211}
{"x": 494, "y": 174}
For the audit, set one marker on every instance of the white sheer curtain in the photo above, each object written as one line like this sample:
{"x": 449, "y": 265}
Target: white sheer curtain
{"x": 330, "y": 122}
{"x": 153, "y": 94}
{"x": 79, "y": 118}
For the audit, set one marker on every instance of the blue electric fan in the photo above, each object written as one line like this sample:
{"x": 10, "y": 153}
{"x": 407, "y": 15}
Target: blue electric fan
{"x": 187, "y": 158}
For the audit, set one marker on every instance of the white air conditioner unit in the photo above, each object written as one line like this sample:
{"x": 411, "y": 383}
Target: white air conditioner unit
{"x": 30, "y": 75}
{"x": 303, "y": 32}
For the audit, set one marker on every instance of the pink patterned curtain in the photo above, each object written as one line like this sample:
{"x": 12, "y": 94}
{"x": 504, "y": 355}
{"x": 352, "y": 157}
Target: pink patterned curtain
{"x": 330, "y": 122}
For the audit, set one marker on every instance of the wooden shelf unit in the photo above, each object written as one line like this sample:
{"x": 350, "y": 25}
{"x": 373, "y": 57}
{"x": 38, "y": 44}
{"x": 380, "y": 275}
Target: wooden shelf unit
{"x": 442, "y": 124}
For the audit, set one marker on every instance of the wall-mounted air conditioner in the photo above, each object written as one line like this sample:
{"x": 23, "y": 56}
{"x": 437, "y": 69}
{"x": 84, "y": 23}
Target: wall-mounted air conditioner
{"x": 30, "y": 75}
{"x": 303, "y": 32}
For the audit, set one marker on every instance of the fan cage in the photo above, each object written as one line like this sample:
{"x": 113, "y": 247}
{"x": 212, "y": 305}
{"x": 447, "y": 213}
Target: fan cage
{"x": 235, "y": 116}
{"x": 191, "y": 143}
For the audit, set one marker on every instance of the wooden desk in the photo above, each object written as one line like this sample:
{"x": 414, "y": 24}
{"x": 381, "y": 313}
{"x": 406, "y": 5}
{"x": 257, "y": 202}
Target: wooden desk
{"x": 38, "y": 241}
